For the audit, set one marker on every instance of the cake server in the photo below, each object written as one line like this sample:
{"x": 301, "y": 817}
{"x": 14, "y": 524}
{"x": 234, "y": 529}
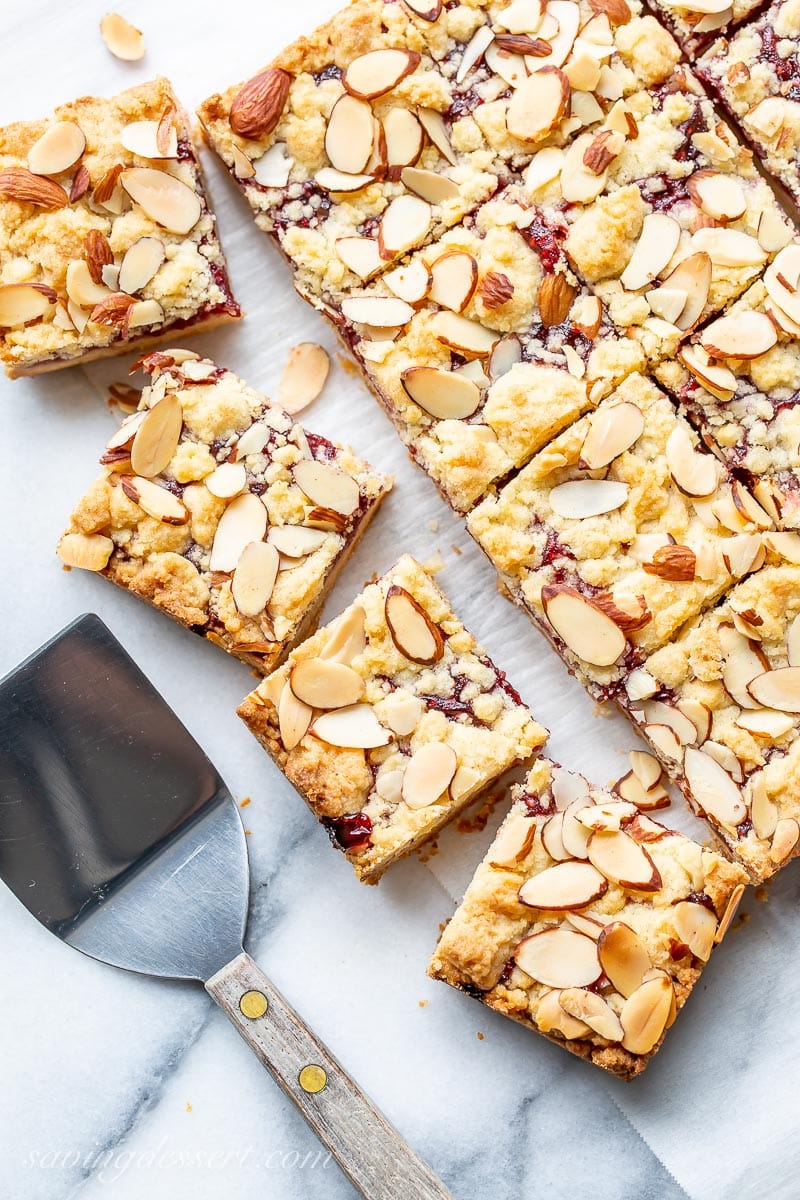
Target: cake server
{"x": 120, "y": 836}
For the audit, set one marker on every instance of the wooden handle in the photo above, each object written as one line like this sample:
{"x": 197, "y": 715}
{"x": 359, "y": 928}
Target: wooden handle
{"x": 372, "y": 1154}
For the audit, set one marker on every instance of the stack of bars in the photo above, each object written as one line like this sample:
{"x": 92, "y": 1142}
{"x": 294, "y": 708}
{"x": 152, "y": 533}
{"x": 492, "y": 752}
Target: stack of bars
{"x": 575, "y": 294}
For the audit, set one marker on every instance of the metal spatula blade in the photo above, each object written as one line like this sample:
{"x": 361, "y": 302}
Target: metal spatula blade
{"x": 120, "y": 836}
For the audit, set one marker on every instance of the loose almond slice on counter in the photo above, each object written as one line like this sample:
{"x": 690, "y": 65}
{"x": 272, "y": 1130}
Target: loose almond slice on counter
{"x": 405, "y": 138}
{"x": 141, "y": 138}
{"x": 741, "y": 335}
{"x": 360, "y": 254}
{"x": 327, "y": 486}
{"x": 719, "y": 381}
{"x": 227, "y": 481}
{"x": 322, "y": 683}
{"x": 254, "y": 578}
{"x": 584, "y": 628}
{"x": 693, "y": 472}
{"x": 719, "y": 196}
{"x": 381, "y": 312}
{"x": 404, "y": 225}
{"x": 612, "y": 431}
{"x": 692, "y": 276}
{"x": 331, "y": 180}
{"x": 157, "y": 436}
{"x": 623, "y": 861}
{"x": 657, "y": 243}
{"x": 141, "y": 262}
{"x": 348, "y": 137}
{"x": 434, "y": 125}
{"x": 623, "y": 957}
{"x": 513, "y": 841}
{"x": 353, "y": 728}
{"x": 303, "y": 377}
{"x": 779, "y": 689}
{"x": 21, "y": 303}
{"x": 58, "y": 149}
{"x": 567, "y": 885}
{"x": 696, "y": 926}
{"x": 559, "y": 958}
{"x": 461, "y": 334}
{"x": 713, "y": 789}
{"x": 244, "y": 521}
{"x": 294, "y": 718}
{"x": 124, "y": 40}
{"x": 378, "y": 71}
{"x": 645, "y": 1014}
{"x": 156, "y": 501}
{"x": 165, "y": 199}
{"x": 581, "y": 498}
{"x": 428, "y": 774}
{"x": 446, "y": 395}
{"x": 413, "y": 632}
{"x": 90, "y": 551}
{"x": 454, "y": 278}
{"x": 429, "y": 185}
{"x": 410, "y": 282}
{"x": 538, "y": 104}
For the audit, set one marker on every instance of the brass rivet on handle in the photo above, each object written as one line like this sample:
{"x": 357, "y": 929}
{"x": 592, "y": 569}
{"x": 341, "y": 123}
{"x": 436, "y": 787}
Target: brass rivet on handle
{"x": 313, "y": 1078}
{"x": 253, "y": 1005}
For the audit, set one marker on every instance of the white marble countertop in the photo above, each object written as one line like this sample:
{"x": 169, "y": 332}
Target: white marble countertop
{"x": 116, "y": 1085}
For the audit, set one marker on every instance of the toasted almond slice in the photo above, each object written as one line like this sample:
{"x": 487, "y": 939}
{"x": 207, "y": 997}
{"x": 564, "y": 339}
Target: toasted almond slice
{"x": 564, "y": 19}
{"x": 378, "y": 71}
{"x": 242, "y": 166}
{"x": 763, "y": 810}
{"x": 157, "y": 437}
{"x": 593, "y": 1010}
{"x": 580, "y": 498}
{"x": 58, "y": 149}
{"x": 89, "y": 551}
{"x": 645, "y": 1014}
{"x": 413, "y": 632}
{"x": 244, "y": 521}
{"x": 348, "y": 137}
{"x": 460, "y": 334}
{"x": 360, "y": 254}
{"x": 550, "y": 1017}
{"x": 347, "y": 637}
{"x": 141, "y": 262}
{"x": 81, "y": 288}
{"x": 784, "y": 839}
{"x": 324, "y": 683}
{"x": 355, "y": 728}
{"x": 404, "y": 224}
{"x": 559, "y": 958}
{"x": 124, "y": 435}
{"x": 454, "y": 278}
{"x": 661, "y": 713}
{"x": 331, "y": 180}
{"x": 410, "y": 282}
{"x": 779, "y": 689}
{"x": 165, "y": 199}
{"x": 729, "y": 247}
{"x": 254, "y": 578}
{"x": 741, "y": 335}
{"x": 428, "y": 774}
{"x": 446, "y": 395}
{"x": 623, "y": 957}
{"x": 585, "y": 629}
{"x": 567, "y": 885}
{"x": 124, "y": 40}
{"x": 513, "y": 842}
{"x": 719, "y": 196}
{"x": 773, "y": 232}
{"x": 430, "y": 185}
{"x": 382, "y": 312}
{"x": 785, "y": 544}
{"x": 693, "y": 472}
{"x": 21, "y": 303}
{"x": 141, "y": 138}
{"x": 693, "y": 276}
{"x": 538, "y": 104}
{"x": 646, "y": 768}
{"x": 713, "y": 789}
{"x": 623, "y": 860}
{"x": 227, "y": 481}
{"x": 303, "y": 377}
{"x": 434, "y": 125}
{"x": 696, "y": 926}
{"x": 719, "y": 381}
{"x": 612, "y": 431}
{"x": 156, "y": 501}
{"x": 294, "y": 718}
{"x": 657, "y": 243}
{"x": 327, "y": 486}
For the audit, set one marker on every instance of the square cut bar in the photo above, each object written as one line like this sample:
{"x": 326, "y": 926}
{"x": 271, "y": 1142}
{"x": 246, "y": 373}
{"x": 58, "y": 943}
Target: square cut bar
{"x": 672, "y": 222}
{"x": 390, "y": 720}
{"x": 618, "y": 532}
{"x": 386, "y": 125}
{"x": 738, "y": 381}
{"x": 721, "y": 708}
{"x": 588, "y": 921}
{"x": 107, "y": 240}
{"x": 756, "y": 75}
{"x": 218, "y": 509}
{"x": 495, "y": 347}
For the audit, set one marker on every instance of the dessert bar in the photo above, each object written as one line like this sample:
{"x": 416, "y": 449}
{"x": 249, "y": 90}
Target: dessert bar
{"x": 588, "y": 921}
{"x": 721, "y": 707}
{"x": 618, "y": 532}
{"x": 390, "y": 720}
{"x": 107, "y": 241}
{"x": 217, "y": 508}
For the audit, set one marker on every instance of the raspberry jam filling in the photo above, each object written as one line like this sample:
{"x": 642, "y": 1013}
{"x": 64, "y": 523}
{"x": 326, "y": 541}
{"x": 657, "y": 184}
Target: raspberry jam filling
{"x": 350, "y": 832}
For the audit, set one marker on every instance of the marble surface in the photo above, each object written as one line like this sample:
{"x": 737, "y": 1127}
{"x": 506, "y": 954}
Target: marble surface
{"x": 116, "y": 1085}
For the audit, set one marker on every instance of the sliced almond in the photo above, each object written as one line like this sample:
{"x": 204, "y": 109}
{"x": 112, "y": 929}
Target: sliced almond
{"x": 405, "y": 138}
{"x": 773, "y": 232}
{"x": 410, "y": 282}
{"x": 428, "y": 774}
{"x": 742, "y": 554}
{"x": 360, "y": 254}
{"x": 563, "y": 19}
{"x": 405, "y": 224}
{"x": 581, "y": 498}
{"x": 657, "y": 243}
{"x": 124, "y": 40}
{"x": 765, "y": 722}
{"x": 559, "y": 958}
{"x": 303, "y": 377}
{"x": 781, "y": 281}
{"x": 434, "y": 125}
{"x": 323, "y": 683}
{"x": 254, "y": 578}
{"x": 141, "y": 262}
{"x": 402, "y": 712}
{"x": 430, "y": 185}
{"x": 584, "y": 628}
{"x": 784, "y": 839}
{"x": 741, "y": 335}
{"x": 348, "y": 136}
{"x": 327, "y": 486}
{"x": 552, "y": 840}
{"x": 693, "y": 472}
{"x": 331, "y": 180}
{"x": 632, "y": 789}
{"x": 622, "y": 860}
{"x": 574, "y": 834}
{"x": 713, "y": 789}
{"x": 763, "y": 810}
{"x": 165, "y": 199}
{"x": 662, "y": 713}
{"x": 378, "y": 71}
{"x": 382, "y": 312}
{"x": 721, "y": 197}
{"x": 513, "y": 842}
{"x": 779, "y": 689}
{"x": 550, "y": 1017}
{"x": 355, "y": 728}
{"x": 645, "y": 1014}
{"x": 474, "y": 51}
{"x": 743, "y": 661}
{"x": 81, "y": 288}
{"x": 227, "y": 481}
{"x": 347, "y": 636}
{"x": 544, "y": 167}
{"x": 295, "y": 541}
{"x": 692, "y": 276}
{"x": 244, "y": 521}
{"x": 623, "y": 957}
{"x": 505, "y": 354}
{"x": 142, "y": 138}
{"x": 566, "y": 885}
{"x": 156, "y": 501}
{"x": 719, "y": 381}
{"x": 58, "y": 149}
{"x": 88, "y": 551}
{"x": 413, "y": 632}
{"x": 294, "y": 719}
{"x": 157, "y": 436}
{"x": 463, "y": 335}
{"x": 787, "y": 545}
{"x": 509, "y": 66}
{"x": 21, "y": 303}
{"x": 696, "y": 926}
{"x": 729, "y": 247}
{"x": 454, "y": 278}
{"x": 612, "y": 431}
{"x": 667, "y": 303}
{"x": 538, "y": 104}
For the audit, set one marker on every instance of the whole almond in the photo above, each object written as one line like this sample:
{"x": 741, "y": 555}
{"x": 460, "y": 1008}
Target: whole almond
{"x": 18, "y": 183}
{"x": 495, "y": 289}
{"x": 521, "y": 43}
{"x": 97, "y": 254}
{"x": 628, "y": 622}
{"x": 257, "y": 107}
{"x": 555, "y": 299}
{"x": 107, "y": 186}
{"x": 676, "y": 563}
{"x": 113, "y": 310}
{"x": 602, "y": 151}
{"x": 617, "y": 11}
